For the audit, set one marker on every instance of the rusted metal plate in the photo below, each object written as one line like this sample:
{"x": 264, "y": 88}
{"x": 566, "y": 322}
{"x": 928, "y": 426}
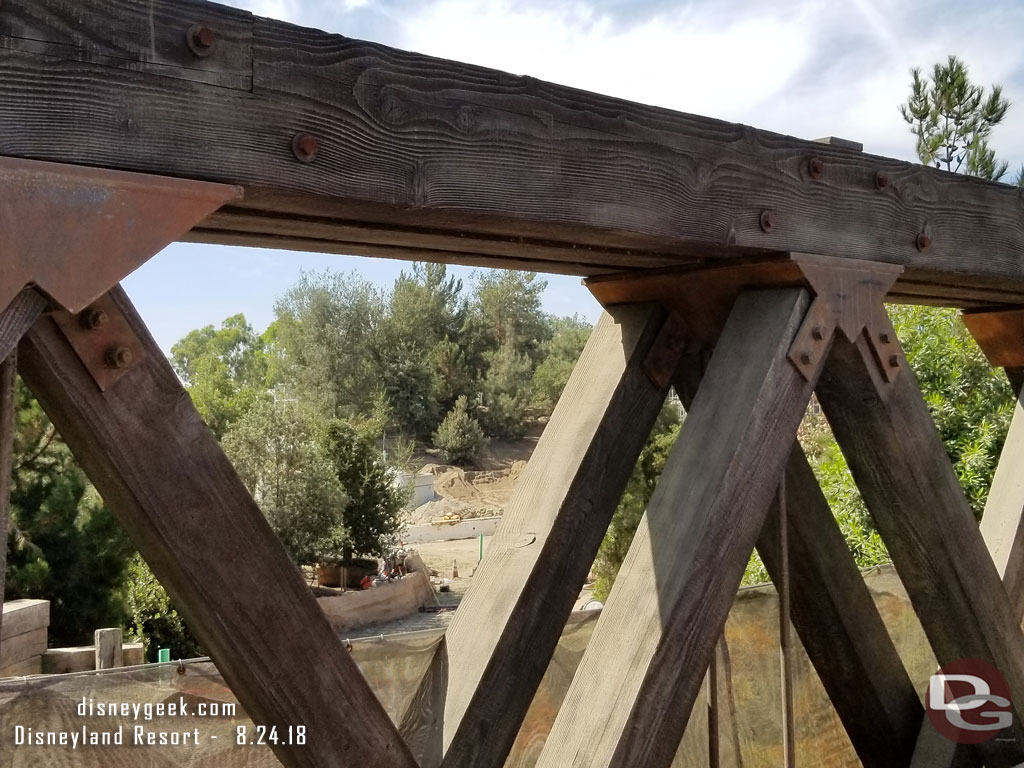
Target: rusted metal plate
{"x": 1000, "y": 334}
{"x": 75, "y": 232}
{"x": 103, "y": 341}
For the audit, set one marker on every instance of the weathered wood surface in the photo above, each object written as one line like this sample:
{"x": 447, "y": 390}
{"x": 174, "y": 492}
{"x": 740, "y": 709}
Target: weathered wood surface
{"x": 840, "y": 627}
{"x": 17, "y": 318}
{"x": 508, "y": 625}
{"x": 108, "y": 648}
{"x": 18, "y": 648}
{"x": 462, "y": 151}
{"x": 8, "y": 408}
{"x": 901, "y": 468}
{"x": 20, "y": 616}
{"x": 163, "y": 474}
{"x": 1002, "y": 527}
{"x": 643, "y": 668}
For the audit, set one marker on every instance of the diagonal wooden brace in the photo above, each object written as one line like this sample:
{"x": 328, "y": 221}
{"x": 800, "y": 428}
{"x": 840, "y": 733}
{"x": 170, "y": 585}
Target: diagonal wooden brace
{"x": 900, "y": 465}
{"x": 164, "y": 475}
{"x": 506, "y": 628}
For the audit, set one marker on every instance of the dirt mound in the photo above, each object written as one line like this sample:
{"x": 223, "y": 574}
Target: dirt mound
{"x": 468, "y": 494}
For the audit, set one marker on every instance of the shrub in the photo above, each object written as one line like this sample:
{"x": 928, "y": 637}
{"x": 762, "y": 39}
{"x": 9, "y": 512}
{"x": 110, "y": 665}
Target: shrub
{"x": 459, "y": 437}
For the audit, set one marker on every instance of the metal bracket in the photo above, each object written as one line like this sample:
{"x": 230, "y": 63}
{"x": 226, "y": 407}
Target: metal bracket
{"x": 103, "y": 341}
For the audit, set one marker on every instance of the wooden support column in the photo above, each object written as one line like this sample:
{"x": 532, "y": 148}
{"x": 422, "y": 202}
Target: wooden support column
{"x": 901, "y": 468}
{"x": 839, "y": 625}
{"x": 633, "y": 692}
{"x": 163, "y": 474}
{"x": 506, "y": 628}
{"x": 8, "y": 400}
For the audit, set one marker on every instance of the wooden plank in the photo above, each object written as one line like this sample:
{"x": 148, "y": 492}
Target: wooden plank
{"x": 1002, "y": 528}
{"x": 163, "y": 474}
{"x": 108, "y": 648}
{"x": 140, "y": 37}
{"x": 636, "y": 684}
{"x": 30, "y": 666}
{"x": 840, "y": 627}
{"x": 900, "y": 465}
{"x": 8, "y": 412}
{"x": 509, "y": 623}
{"x": 432, "y": 144}
{"x": 24, "y": 646}
{"x": 20, "y": 616}
{"x": 17, "y": 318}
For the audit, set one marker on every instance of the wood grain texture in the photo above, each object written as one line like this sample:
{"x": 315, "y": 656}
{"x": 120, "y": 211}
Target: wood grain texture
{"x": 139, "y": 36}
{"x": 163, "y": 474}
{"x": 633, "y": 692}
{"x": 429, "y": 143}
{"x": 901, "y": 468}
{"x": 509, "y": 623}
{"x": 8, "y": 410}
{"x": 108, "y": 648}
{"x": 18, "y": 317}
{"x": 1002, "y": 528}
{"x": 839, "y": 625}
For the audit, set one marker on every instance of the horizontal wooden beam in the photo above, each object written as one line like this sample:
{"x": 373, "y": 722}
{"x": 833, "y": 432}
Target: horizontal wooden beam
{"x": 464, "y": 153}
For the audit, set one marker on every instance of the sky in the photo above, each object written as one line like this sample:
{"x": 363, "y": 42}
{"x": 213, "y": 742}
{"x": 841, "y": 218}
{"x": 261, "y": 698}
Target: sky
{"x": 806, "y": 68}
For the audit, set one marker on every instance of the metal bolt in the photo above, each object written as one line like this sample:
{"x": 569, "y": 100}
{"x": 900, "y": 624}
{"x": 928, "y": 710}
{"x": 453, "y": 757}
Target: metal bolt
{"x": 818, "y": 333}
{"x": 118, "y": 357}
{"x": 923, "y": 242}
{"x": 884, "y": 337}
{"x": 816, "y": 167}
{"x": 894, "y": 361}
{"x": 881, "y": 180}
{"x": 93, "y": 318}
{"x": 767, "y": 220}
{"x": 201, "y": 40}
{"x": 305, "y": 147}
{"x": 806, "y": 358}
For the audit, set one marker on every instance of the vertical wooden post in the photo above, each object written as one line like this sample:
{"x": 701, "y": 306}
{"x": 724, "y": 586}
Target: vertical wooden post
{"x": 714, "y": 743}
{"x": 633, "y": 692}
{"x": 785, "y": 646}
{"x": 109, "y": 648}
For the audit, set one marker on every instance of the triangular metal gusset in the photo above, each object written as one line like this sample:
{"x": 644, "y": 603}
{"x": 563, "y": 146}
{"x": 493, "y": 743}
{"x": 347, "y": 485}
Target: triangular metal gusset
{"x": 744, "y": 344}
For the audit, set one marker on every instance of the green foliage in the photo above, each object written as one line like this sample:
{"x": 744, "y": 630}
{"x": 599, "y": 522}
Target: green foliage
{"x": 509, "y": 304}
{"x": 569, "y": 336}
{"x": 952, "y": 119}
{"x": 505, "y": 392}
{"x": 63, "y": 545}
{"x": 226, "y": 370}
{"x": 634, "y": 500}
{"x": 372, "y": 516}
{"x": 153, "y": 618}
{"x": 459, "y": 437}
{"x": 971, "y": 402}
{"x": 282, "y": 460}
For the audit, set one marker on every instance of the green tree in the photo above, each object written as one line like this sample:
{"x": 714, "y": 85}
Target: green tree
{"x": 952, "y": 119}
{"x": 373, "y": 515}
{"x": 508, "y": 302}
{"x": 459, "y": 436}
{"x": 280, "y": 455}
{"x": 225, "y": 370}
{"x": 570, "y": 335}
{"x": 153, "y": 619}
{"x": 634, "y": 500}
{"x": 505, "y": 392}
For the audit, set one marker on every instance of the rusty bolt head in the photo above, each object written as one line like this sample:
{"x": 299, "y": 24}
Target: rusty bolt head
{"x": 924, "y": 242}
{"x": 894, "y": 361}
{"x": 93, "y": 318}
{"x": 884, "y": 337}
{"x": 201, "y": 40}
{"x": 806, "y": 358}
{"x": 767, "y": 220}
{"x": 818, "y": 333}
{"x": 817, "y": 167}
{"x": 118, "y": 357}
{"x": 881, "y": 180}
{"x": 305, "y": 147}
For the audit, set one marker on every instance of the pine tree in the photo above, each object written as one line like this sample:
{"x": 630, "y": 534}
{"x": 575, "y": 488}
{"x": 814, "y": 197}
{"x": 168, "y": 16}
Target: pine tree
{"x": 952, "y": 119}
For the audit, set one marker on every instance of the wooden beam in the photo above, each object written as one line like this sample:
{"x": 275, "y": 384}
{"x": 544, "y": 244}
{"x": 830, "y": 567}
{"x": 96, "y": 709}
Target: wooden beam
{"x": 839, "y": 625}
{"x": 1002, "y": 528}
{"x": 8, "y": 414}
{"x": 900, "y": 465}
{"x": 508, "y": 625}
{"x": 633, "y": 692}
{"x": 460, "y": 150}
{"x": 163, "y": 474}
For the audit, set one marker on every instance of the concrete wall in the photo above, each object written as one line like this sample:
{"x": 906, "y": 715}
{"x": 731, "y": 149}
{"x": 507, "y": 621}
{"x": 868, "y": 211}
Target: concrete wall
{"x": 358, "y": 608}
{"x": 465, "y": 529}
{"x": 422, "y": 487}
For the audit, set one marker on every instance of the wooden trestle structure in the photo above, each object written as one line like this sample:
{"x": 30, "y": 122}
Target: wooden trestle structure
{"x": 743, "y": 268}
